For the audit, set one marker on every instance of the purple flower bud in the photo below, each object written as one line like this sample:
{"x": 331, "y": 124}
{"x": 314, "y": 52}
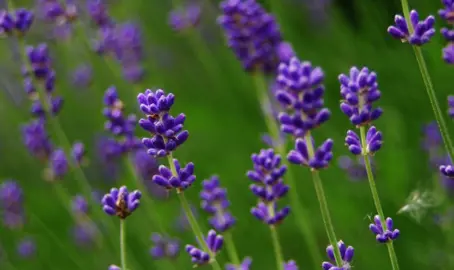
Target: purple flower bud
{"x": 285, "y": 52}
{"x": 447, "y": 170}
{"x": 185, "y": 176}
{"x": 26, "y": 248}
{"x": 245, "y": 265}
{"x": 386, "y": 234}
{"x": 214, "y": 243}
{"x": 82, "y": 76}
{"x": 215, "y": 202}
{"x": 421, "y": 33}
{"x": 290, "y": 265}
{"x": 320, "y": 159}
{"x": 85, "y": 233}
{"x": 374, "y": 141}
{"x": 185, "y": 18}
{"x": 164, "y": 247}
{"x": 12, "y": 204}
{"x": 36, "y": 139}
{"x": 447, "y": 13}
{"x": 448, "y": 53}
{"x": 79, "y": 205}
{"x": 58, "y": 164}
{"x": 346, "y": 255}
{"x": 121, "y": 203}
{"x": 78, "y": 152}
{"x": 98, "y": 13}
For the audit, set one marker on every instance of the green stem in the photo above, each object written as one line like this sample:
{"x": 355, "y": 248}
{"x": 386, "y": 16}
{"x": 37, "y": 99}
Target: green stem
{"x": 231, "y": 250}
{"x": 373, "y": 189}
{"x": 122, "y": 245}
{"x": 301, "y": 216}
{"x": 191, "y": 219}
{"x": 277, "y": 248}
{"x": 323, "y": 204}
{"x": 429, "y": 87}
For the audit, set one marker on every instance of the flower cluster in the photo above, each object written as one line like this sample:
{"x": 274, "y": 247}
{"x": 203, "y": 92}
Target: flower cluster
{"x": 448, "y": 33}
{"x": 185, "y": 18}
{"x": 181, "y": 179}
{"x": 214, "y": 243}
{"x": 384, "y": 231}
{"x": 118, "y": 124}
{"x": 84, "y": 231}
{"x": 164, "y": 247}
{"x": 268, "y": 187}
{"x": 252, "y": 34}
{"x": 12, "y": 204}
{"x": 17, "y": 23}
{"x": 120, "y": 202}
{"x": 346, "y": 254}
{"x": 416, "y": 33}
{"x": 215, "y": 202}
{"x": 59, "y": 15}
{"x": 167, "y": 131}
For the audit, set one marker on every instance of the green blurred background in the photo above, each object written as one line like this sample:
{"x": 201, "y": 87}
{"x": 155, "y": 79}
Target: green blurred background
{"x": 225, "y": 123}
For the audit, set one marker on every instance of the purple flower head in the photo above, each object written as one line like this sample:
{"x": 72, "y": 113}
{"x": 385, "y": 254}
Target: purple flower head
{"x": 245, "y": 265}
{"x": 252, "y": 34}
{"x": 347, "y": 253}
{"x": 183, "y": 179}
{"x": 448, "y": 53}
{"x": 386, "y": 234}
{"x": 98, "y": 13}
{"x": 164, "y": 247}
{"x": 448, "y": 34}
{"x": 374, "y": 141}
{"x": 84, "y": 233}
{"x": 167, "y": 131}
{"x": 26, "y": 248}
{"x": 290, "y": 265}
{"x": 268, "y": 186}
{"x": 12, "y": 204}
{"x": 215, "y": 202}
{"x": 214, "y": 242}
{"x": 359, "y": 90}
{"x": 36, "y": 139}
{"x": 79, "y": 205}
{"x": 82, "y": 76}
{"x": 56, "y": 104}
{"x": 6, "y": 23}
{"x": 120, "y": 202}
{"x": 113, "y": 267}
{"x": 58, "y": 165}
{"x": 447, "y": 13}
{"x": 300, "y": 91}
{"x": 128, "y": 49}
{"x": 133, "y": 72}
{"x": 418, "y": 33}
{"x": 18, "y": 24}
{"x": 185, "y": 18}
{"x": 40, "y": 61}
{"x": 146, "y": 167}
{"x": 51, "y": 11}
{"x": 355, "y": 168}
{"x": 318, "y": 160}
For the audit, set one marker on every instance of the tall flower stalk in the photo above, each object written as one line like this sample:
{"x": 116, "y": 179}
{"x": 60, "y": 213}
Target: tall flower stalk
{"x": 359, "y": 91}
{"x": 167, "y": 134}
{"x": 417, "y": 33}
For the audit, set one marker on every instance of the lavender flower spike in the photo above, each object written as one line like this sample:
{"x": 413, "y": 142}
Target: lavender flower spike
{"x": 320, "y": 160}
{"x": 214, "y": 242}
{"x": 245, "y": 265}
{"x": 359, "y": 90}
{"x": 184, "y": 178}
{"x": 214, "y": 201}
{"x": 167, "y": 131}
{"x": 346, "y": 254}
{"x": 121, "y": 203}
{"x": 384, "y": 235}
{"x": 421, "y": 33}
{"x": 374, "y": 141}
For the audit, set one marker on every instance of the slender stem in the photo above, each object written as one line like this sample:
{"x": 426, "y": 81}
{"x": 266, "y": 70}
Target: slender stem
{"x": 231, "y": 249}
{"x": 323, "y": 204}
{"x": 122, "y": 244}
{"x": 277, "y": 248}
{"x": 429, "y": 87}
{"x": 373, "y": 189}
{"x": 301, "y": 216}
{"x": 191, "y": 219}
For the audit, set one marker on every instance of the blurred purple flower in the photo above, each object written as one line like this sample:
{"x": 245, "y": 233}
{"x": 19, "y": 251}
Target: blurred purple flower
{"x": 163, "y": 247}
{"x": 182, "y": 222}
{"x": 146, "y": 167}
{"x": 84, "y": 233}
{"x": 82, "y": 76}
{"x": 12, "y": 204}
{"x": 26, "y": 248}
{"x": 185, "y": 17}
{"x": 355, "y": 169}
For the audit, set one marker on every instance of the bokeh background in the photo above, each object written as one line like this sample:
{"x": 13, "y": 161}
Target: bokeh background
{"x": 225, "y": 122}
